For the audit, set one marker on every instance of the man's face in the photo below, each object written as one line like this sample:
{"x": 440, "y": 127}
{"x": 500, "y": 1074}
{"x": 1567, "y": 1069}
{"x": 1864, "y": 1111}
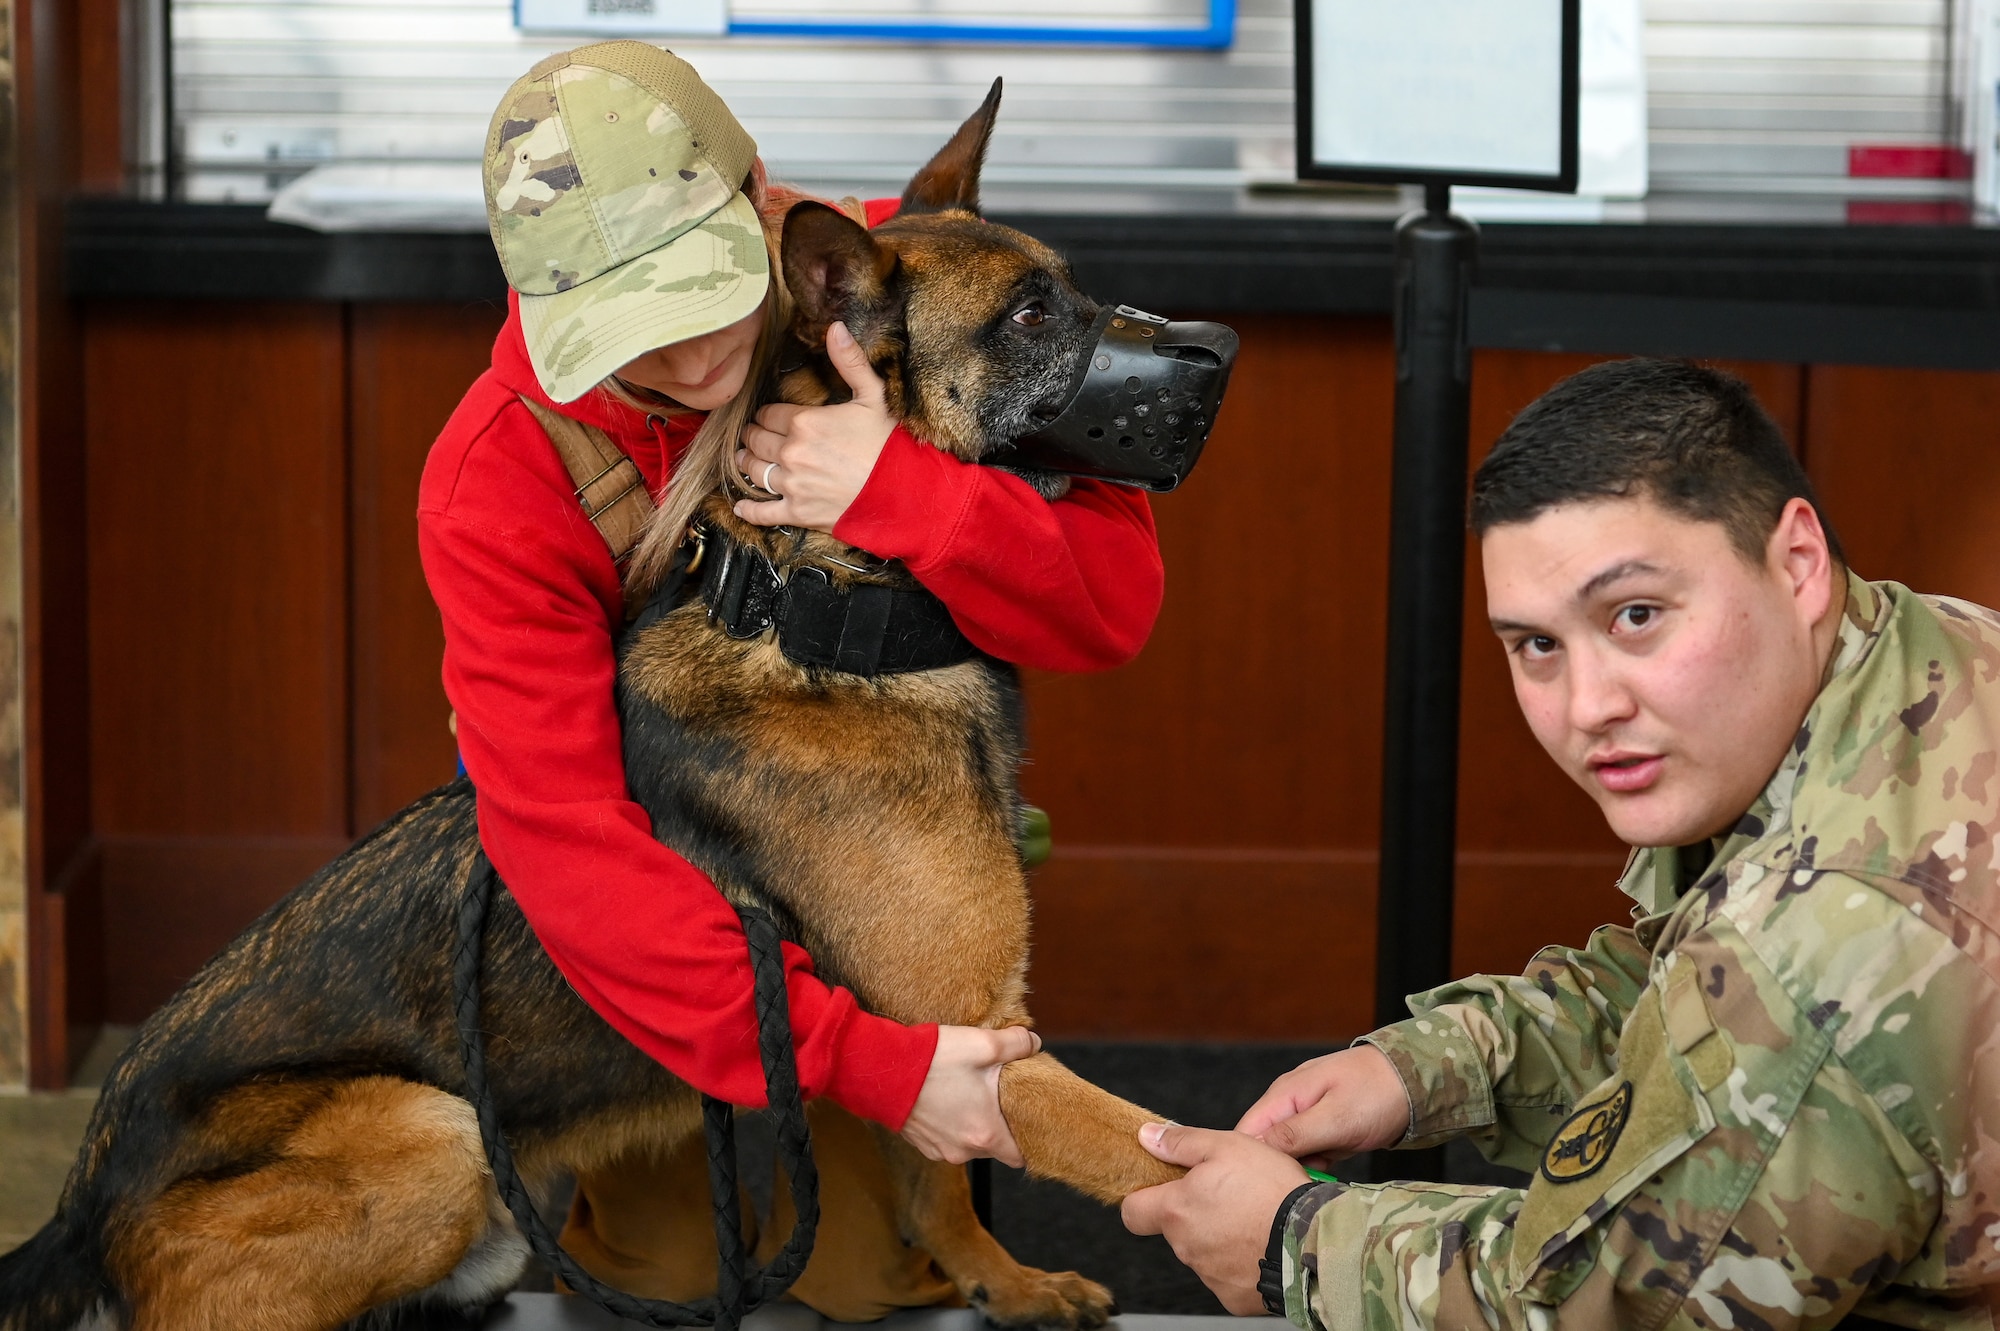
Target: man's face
{"x": 1662, "y": 670}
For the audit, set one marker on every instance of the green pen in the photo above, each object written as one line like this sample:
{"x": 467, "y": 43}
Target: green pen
{"x": 1320, "y": 1175}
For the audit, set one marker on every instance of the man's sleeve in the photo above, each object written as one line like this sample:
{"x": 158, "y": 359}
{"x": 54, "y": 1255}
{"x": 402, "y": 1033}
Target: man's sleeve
{"x": 1501, "y": 1058}
{"x": 1732, "y": 1172}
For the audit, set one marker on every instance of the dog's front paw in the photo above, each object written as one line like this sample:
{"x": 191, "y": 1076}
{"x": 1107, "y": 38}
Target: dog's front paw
{"x": 1045, "y": 1301}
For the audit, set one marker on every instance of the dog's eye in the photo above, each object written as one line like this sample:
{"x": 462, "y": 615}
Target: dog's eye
{"x": 1028, "y": 316}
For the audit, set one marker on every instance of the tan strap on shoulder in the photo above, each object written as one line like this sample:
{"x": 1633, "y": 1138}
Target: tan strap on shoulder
{"x": 608, "y": 484}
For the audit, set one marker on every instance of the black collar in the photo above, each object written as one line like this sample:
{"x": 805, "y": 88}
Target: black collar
{"x": 863, "y": 630}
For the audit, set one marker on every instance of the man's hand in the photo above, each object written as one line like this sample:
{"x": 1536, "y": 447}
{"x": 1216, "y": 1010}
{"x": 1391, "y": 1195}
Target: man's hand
{"x": 1218, "y": 1218}
{"x": 1331, "y": 1107}
{"x": 816, "y": 459}
{"x": 957, "y": 1115}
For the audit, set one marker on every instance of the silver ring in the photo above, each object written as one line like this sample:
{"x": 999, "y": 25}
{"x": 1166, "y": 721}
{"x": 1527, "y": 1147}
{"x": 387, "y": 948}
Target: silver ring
{"x": 765, "y": 486}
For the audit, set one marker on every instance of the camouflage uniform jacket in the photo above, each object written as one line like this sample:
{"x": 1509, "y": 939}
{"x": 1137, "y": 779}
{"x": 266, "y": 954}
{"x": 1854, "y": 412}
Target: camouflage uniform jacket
{"x": 1775, "y": 1099}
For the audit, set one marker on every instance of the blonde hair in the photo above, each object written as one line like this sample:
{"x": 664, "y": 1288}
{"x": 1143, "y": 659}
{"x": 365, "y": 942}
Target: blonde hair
{"x": 709, "y": 464}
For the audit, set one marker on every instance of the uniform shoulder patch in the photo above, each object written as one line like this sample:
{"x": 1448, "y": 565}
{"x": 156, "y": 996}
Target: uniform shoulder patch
{"x": 1584, "y": 1141}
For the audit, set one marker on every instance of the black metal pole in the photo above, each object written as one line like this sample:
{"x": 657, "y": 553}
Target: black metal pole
{"x": 170, "y": 161}
{"x": 1435, "y": 252}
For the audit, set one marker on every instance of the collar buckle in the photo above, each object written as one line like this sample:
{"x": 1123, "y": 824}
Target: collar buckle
{"x": 743, "y": 592}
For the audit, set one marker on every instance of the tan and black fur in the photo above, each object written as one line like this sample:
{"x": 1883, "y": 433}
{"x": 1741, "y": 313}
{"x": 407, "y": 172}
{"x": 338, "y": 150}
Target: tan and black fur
{"x": 285, "y": 1146}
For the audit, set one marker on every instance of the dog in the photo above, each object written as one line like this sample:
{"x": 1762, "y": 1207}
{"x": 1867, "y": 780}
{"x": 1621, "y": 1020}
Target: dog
{"x": 286, "y": 1143}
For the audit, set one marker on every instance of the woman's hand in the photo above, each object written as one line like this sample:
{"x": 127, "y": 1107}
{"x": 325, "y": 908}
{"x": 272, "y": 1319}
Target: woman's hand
{"x": 816, "y": 459}
{"x": 957, "y": 1116}
{"x": 1332, "y": 1107}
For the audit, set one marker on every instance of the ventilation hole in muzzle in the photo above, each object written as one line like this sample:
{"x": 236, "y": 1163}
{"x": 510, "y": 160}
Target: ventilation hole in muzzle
{"x": 1132, "y": 384}
{"x": 1095, "y": 432}
{"x": 1125, "y": 441}
{"x": 1166, "y": 395}
{"x": 1119, "y": 422}
{"x": 1156, "y": 450}
{"x": 1173, "y": 418}
{"x": 1192, "y": 355}
{"x": 1149, "y": 432}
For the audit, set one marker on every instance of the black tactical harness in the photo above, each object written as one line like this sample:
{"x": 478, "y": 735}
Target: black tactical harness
{"x": 863, "y": 630}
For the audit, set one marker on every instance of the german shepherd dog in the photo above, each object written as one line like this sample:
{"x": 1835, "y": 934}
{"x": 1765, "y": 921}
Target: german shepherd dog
{"x": 286, "y": 1144}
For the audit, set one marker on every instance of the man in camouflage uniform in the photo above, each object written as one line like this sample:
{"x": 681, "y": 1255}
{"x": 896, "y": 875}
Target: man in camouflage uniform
{"x": 1773, "y": 1100}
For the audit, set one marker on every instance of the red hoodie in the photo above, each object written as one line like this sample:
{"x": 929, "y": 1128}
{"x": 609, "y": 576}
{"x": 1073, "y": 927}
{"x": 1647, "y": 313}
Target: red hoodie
{"x": 530, "y": 603}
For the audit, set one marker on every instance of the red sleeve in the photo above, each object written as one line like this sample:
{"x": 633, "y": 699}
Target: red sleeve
{"x": 1069, "y": 585}
{"x": 523, "y": 583}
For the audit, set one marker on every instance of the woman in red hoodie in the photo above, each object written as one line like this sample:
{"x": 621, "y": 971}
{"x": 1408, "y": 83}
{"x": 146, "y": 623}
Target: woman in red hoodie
{"x": 633, "y": 222}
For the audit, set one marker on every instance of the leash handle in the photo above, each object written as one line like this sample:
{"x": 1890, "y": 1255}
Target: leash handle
{"x": 782, "y": 1093}
{"x": 739, "y": 1290}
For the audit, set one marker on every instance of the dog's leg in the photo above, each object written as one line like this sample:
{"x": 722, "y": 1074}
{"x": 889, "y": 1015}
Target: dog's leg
{"x": 358, "y": 1194}
{"x": 863, "y": 1266}
{"x": 1077, "y": 1133}
{"x": 641, "y": 1221}
{"x": 934, "y": 1206}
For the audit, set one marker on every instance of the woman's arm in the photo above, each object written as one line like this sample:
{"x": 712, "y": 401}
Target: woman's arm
{"x": 1074, "y": 584}
{"x": 643, "y": 937}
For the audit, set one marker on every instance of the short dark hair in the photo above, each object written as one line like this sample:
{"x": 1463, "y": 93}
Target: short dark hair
{"x": 1692, "y": 439}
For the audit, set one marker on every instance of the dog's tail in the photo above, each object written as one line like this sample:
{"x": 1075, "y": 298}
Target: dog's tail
{"x": 53, "y": 1281}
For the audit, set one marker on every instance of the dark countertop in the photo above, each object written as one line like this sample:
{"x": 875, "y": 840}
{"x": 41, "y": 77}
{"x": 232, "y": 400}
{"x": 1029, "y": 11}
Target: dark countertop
{"x": 1925, "y": 295}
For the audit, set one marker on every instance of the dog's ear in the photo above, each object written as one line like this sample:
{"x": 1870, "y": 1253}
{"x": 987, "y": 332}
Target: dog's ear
{"x": 833, "y": 267}
{"x": 950, "y": 180}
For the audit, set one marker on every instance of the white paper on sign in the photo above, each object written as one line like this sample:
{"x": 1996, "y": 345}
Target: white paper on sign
{"x": 1611, "y": 100}
{"x": 631, "y": 18}
{"x": 1983, "y": 101}
{"x": 1447, "y": 85}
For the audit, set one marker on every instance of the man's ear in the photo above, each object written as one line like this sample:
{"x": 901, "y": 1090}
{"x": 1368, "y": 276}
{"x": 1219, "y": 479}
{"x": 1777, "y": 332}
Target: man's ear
{"x": 950, "y": 180}
{"x": 1799, "y": 545}
{"x": 833, "y": 267}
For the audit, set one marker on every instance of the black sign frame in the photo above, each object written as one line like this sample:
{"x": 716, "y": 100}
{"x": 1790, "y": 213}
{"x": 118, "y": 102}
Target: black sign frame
{"x": 1563, "y": 182}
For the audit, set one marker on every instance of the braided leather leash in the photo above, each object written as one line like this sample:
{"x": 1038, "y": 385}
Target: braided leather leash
{"x": 739, "y": 1288}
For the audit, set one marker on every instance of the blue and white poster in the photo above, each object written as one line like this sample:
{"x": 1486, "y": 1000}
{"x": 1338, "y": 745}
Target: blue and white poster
{"x": 623, "y": 18}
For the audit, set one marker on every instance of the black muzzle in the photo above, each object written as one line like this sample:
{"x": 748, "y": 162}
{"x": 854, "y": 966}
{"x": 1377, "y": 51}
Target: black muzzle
{"x": 1140, "y": 405}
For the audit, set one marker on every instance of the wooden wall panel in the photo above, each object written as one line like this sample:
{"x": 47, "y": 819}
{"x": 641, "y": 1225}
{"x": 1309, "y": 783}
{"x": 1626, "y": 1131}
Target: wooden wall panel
{"x": 1182, "y": 944}
{"x": 1213, "y": 802}
{"x": 1907, "y": 463}
{"x": 410, "y": 365}
{"x": 1258, "y": 701}
{"x": 105, "y": 112}
{"x": 64, "y": 923}
{"x": 216, "y": 450}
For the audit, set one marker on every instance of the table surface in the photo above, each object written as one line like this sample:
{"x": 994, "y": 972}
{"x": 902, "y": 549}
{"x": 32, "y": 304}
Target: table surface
{"x": 558, "y": 1312}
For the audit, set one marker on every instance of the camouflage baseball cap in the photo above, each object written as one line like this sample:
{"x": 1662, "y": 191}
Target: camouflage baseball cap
{"x": 613, "y": 190}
